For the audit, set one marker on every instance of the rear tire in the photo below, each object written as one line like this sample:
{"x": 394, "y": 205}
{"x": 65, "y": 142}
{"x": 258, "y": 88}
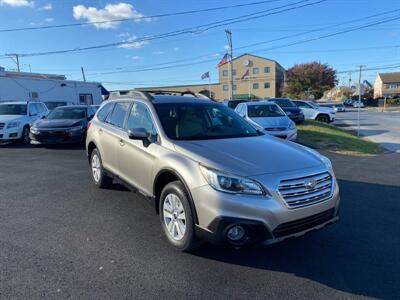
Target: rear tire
{"x": 176, "y": 217}
{"x": 100, "y": 178}
{"x": 323, "y": 118}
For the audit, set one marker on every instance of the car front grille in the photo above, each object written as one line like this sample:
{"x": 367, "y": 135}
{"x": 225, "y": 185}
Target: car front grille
{"x": 303, "y": 224}
{"x": 2, "y": 125}
{"x": 303, "y": 191}
{"x": 275, "y": 129}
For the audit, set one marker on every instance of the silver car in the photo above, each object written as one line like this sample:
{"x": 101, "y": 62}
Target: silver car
{"x": 268, "y": 116}
{"x": 209, "y": 173}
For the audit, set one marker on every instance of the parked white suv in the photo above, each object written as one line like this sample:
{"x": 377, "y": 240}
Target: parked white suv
{"x": 313, "y": 111}
{"x": 269, "y": 117}
{"x": 17, "y": 117}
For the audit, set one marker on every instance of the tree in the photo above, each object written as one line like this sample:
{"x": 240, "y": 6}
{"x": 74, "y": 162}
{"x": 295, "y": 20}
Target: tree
{"x": 304, "y": 80}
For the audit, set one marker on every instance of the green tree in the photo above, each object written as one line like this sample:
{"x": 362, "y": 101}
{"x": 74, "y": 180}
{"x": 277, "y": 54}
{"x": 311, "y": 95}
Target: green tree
{"x": 304, "y": 80}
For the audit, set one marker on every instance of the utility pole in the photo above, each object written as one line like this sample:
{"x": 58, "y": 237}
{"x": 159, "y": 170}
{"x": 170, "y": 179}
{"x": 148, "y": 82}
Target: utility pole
{"x": 229, "y": 37}
{"x": 349, "y": 85}
{"x": 83, "y": 74}
{"x": 359, "y": 100}
{"x": 15, "y": 58}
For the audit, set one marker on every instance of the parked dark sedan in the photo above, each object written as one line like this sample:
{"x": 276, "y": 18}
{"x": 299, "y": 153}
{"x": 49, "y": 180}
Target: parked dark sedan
{"x": 291, "y": 109}
{"x": 65, "y": 124}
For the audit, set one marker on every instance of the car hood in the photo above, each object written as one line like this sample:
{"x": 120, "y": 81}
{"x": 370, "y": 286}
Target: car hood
{"x": 293, "y": 110}
{"x": 249, "y": 156}
{"x": 11, "y": 118}
{"x": 272, "y": 122}
{"x": 62, "y": 123}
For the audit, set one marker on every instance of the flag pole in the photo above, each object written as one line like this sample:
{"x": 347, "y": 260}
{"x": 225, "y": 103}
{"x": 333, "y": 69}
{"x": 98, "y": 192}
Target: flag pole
{"x": 249, "y": 84}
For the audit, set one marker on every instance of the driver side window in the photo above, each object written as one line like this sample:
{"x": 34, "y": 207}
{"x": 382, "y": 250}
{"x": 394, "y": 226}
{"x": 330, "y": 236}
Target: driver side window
{"x": 140, "y": 117}
{"x": 32, "y": 110}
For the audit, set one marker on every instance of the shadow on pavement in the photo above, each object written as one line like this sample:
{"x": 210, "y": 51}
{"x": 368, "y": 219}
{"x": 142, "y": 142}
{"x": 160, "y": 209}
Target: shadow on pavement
{"x": 358, "y": 255}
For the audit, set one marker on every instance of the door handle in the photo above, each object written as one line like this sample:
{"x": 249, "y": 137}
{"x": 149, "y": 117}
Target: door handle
{"x": 121, "y": 142}
{"x": 100, "y": 131}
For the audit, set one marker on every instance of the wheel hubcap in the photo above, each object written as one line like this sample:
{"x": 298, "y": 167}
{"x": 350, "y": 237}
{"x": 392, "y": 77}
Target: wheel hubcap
{"x": 174, "y": 217}
{"x": 96, "y": 168}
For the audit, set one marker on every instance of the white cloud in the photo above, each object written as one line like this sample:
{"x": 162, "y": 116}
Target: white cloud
{"x": 158, "y": 52}
{"x": 136, "y": 57}
{"x": 176, "y": 49}
{"x": 130, "y": 41}
{"x": 49, "y": 20}
{"x": 46, "y": 7}
{"x": 17, "y": 3}
{"x": 109, "y": 13}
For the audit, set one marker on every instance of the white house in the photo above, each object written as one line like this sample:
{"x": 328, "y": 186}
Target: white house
{"x": 22, "y": 86}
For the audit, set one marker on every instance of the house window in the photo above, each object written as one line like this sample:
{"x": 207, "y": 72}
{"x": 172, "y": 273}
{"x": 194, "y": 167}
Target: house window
{"x": 86, "y": 99}
{"x": 256, "y": 70}
{"x": 255, "y": 86}
{"x": 225, "y": 87}
{"x": 267, "y": 69}
{"x": 267, "y": 85}
{"x": 393, "y": 85}
{"x": 34, "y": 95}
{"x": 225, "y": 73}
{"x": 234, "y": 87}
{"x": 233, "y": 72}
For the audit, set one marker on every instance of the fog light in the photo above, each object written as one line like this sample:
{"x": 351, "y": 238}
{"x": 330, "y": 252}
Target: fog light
{"x": 13, "y": 135}
{"x": 235, "y": 233}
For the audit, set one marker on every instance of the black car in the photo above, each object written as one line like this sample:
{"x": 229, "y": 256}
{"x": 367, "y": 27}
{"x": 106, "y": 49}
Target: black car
{"x": 291, "y": 109}
{"x": 65, "y": 124}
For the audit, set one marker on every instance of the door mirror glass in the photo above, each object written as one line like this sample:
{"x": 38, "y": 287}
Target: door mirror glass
{"x": 138, "y": 134}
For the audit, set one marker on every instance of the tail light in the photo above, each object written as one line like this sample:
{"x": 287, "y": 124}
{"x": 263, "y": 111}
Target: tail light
{"x": 88, "y": 125}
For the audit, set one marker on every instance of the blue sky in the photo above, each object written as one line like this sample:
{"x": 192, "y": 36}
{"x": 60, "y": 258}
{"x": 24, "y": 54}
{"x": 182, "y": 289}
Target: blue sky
{"x": 377, "y": 46}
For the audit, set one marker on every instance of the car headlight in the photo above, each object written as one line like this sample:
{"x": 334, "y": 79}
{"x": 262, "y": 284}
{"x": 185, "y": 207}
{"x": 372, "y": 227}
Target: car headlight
{"x": 34, "y": 130}
{"x": 292, "y": 126}
{"x": 75, "y": 129}
{"x": 327, "y": 162}
{"x": 231, "y": 183}
{"x": 13, "y": 124}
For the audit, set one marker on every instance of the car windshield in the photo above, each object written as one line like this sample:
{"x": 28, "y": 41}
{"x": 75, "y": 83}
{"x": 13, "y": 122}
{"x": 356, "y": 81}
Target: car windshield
{"x": 262, "y": 111}
{"x": 52, "y": 105}
{"x": 201, "y": 121}
{"x": 68, "y": 113}
{"x": 284, "y": 103}
{"x": 13, "y": 109}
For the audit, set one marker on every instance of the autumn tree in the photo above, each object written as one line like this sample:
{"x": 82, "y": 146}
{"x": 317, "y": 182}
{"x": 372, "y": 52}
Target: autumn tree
{"x": 304, "y": 80}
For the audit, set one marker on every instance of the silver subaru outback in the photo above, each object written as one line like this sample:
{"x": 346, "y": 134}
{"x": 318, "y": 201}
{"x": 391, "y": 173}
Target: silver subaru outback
{"x": 210, "y": 174}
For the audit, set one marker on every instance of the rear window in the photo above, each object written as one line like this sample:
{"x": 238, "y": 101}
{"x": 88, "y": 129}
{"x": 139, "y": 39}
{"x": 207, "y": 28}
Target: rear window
{"x": 264, "y": 111}
{"x": 118, "y": 115}
{"x": 104, "y": 111}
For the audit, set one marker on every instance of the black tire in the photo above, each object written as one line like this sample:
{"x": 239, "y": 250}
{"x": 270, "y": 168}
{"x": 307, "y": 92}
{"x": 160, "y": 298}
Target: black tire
{"x": 323, "y": 118}
{"x": 25, "y": 139}
{"x": 188, "y": 241}
{"x": 103, "y": 180}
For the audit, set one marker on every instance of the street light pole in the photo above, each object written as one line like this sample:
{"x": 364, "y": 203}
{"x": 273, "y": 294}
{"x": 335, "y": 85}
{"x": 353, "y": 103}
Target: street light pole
{"x": 229, "y": 37}
{"x": 15, "y": 58}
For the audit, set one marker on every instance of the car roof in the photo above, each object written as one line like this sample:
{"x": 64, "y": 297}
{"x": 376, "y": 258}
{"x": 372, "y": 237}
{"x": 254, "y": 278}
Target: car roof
{"x": 159, "y": 99}
{"x": 262, "y": 102}
{"x": 18, "y": 102}
{"x": 73, "y": 106}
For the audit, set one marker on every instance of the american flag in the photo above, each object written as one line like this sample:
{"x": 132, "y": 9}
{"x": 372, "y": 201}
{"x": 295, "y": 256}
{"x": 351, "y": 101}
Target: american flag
{"x": 245, "y": 74}
{"x": 224, "y": 60}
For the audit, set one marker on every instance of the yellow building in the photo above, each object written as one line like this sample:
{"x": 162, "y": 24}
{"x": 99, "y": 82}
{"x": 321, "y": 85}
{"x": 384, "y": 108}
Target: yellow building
{"x": 387, "y": 85}
{"x": 264, "y": 80}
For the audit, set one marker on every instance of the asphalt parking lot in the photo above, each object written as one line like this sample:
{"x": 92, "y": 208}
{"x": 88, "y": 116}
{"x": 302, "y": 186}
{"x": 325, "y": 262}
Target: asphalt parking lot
{"x": 61, "y": 237}
{"x": 377, "y": 126}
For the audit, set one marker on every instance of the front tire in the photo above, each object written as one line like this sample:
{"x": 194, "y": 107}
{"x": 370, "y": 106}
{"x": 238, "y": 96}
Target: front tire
{"x": 25, "y": 139}
{"x": 176, "y": 216}
{"x": 323, "y": 118}
{"x": 99, "y": 177}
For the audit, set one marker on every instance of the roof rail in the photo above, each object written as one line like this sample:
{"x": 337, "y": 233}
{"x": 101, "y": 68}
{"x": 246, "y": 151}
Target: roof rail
{"x": 131, "y": 93}
{"x": 177, "y": 93}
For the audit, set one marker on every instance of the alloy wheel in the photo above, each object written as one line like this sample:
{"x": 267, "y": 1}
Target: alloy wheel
{"x": 96, "y": 168}
{"x": 174, "y": 217}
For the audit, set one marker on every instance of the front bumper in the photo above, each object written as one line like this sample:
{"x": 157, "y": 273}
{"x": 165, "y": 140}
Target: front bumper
{"x": 56, "y": 137}
{"x": 290, "y": 135}
{"x": 297, "y": 118}
{"x": 10, "y": 134}
{"x": 265, "y": 219}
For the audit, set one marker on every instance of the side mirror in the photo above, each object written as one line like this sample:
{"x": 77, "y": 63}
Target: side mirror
{"x": 138, "y": 134}
{"x": 44, "y": 117}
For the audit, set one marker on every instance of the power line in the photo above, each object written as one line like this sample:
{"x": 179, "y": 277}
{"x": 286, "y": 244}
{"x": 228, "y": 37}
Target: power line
{"x": 180, "y": 13}
{"x": 190, "y": 30}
